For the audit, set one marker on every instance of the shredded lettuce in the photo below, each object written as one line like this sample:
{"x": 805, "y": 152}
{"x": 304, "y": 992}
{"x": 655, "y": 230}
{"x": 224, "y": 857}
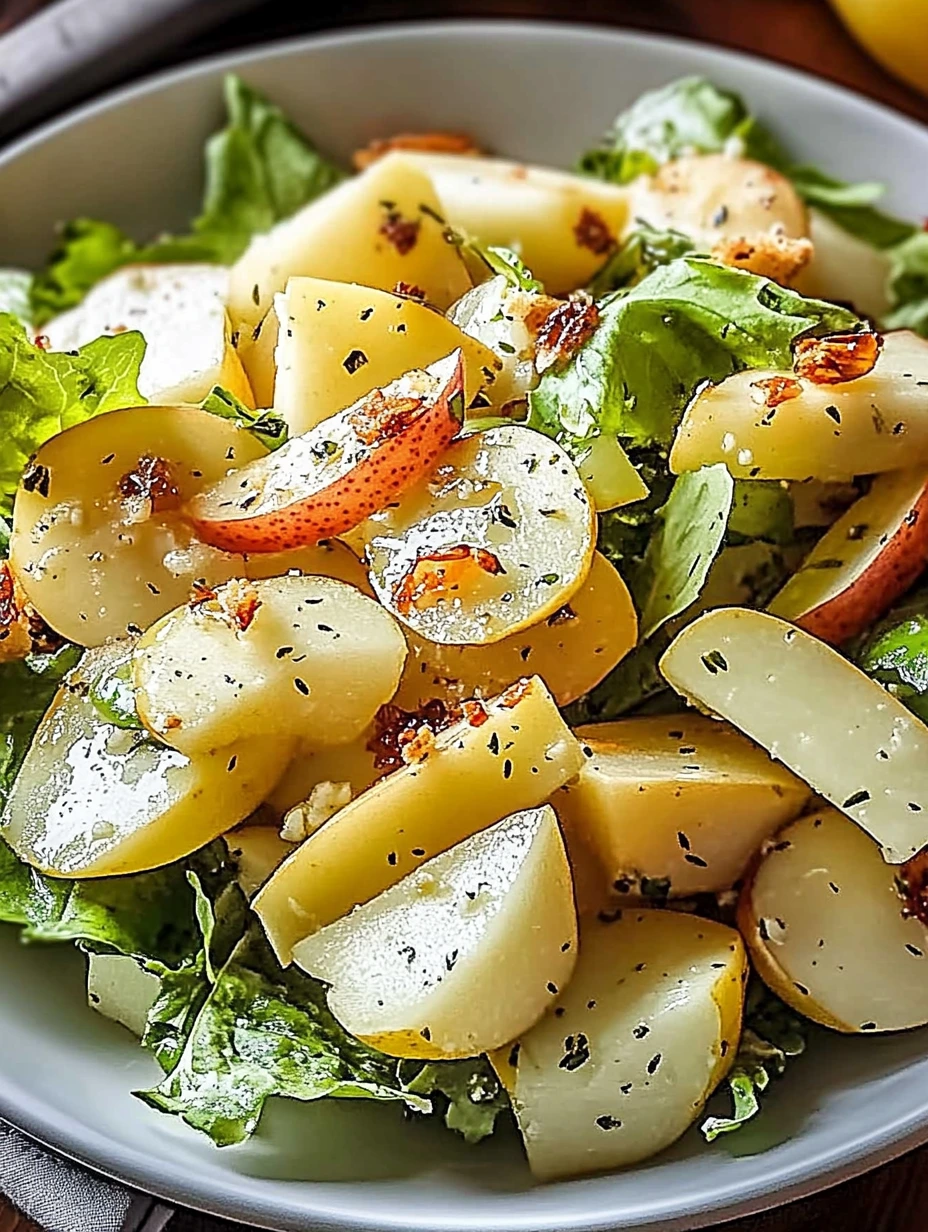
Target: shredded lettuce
{"x": 269, "y": 428}
{"x": 44, "y": 392}
{"x": 687, "y": 322}
{"x": 694, "y": 116}
{"x": 772, "y": 1036}
{"x": 259, "y": 169}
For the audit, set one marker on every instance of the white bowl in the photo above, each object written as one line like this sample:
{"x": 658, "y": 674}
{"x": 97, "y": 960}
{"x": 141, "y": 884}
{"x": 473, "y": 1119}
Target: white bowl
{"x": 538, "y": 92}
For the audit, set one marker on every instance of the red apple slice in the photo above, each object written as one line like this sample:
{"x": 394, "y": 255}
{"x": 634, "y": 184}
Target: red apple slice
{"x": 331, "y": 478}
{"x": 869, "y": 557}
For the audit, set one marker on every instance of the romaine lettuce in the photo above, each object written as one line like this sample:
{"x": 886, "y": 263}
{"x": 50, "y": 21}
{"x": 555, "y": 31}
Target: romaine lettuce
{"x": 44, "y": 392}
{"x": 259, "y": 169}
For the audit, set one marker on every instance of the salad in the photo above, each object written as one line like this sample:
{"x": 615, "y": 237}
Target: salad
{"x": 461, "y": 636}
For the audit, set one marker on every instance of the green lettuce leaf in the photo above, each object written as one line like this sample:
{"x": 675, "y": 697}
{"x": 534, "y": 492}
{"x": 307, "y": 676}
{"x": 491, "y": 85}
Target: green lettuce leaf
{"x": 259, "y": 169}
{"x": 761, "y": 510}
{"x": 908, "y": 285}
{"x": 772, "y": 1036}
{"x": 693, "y": 116}
{"x": 640, "y": 254}
{"x": 263, "y": 1031}
{"x": 689, "y": 534}
{"x": 44, "y": 392}
{"x": 269, "y": 428}
{"x": 469, "y": 1093}
{"x": 504, "y": 261}
{"x": 685, "y": 323}
{"x": 896, "y": 653}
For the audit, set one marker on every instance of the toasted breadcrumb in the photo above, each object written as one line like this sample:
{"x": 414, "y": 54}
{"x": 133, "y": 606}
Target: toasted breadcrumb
{"x": 768, "y": 254}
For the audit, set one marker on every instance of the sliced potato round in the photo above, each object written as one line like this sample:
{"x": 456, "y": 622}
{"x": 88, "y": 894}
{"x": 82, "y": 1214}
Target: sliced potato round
{"x": 98, "y": 542}
{"x": 625, "y": 1062}
{"x": 508, "y": 756}
{"x": 829, "y": 932}
{"x": 463, "y": 954}
{"x": 677, "y": 798}
{"x": 343, "y": 341}
{"x": 180, "y": 311}
{"x": 306, "y": 657}
{"x": 499, "y": 536}
{"x": 713, "y": 196}
{"x": 94, "y": 800}
{"x": 572, "y": 650}
{"x": 501, "y": 317}
{"x": 353, "y": 762}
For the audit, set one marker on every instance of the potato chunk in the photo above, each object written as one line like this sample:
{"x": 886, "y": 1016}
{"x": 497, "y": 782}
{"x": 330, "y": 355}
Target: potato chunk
{"x": 777, "y": 425}
{"x": 563, "y": 226}
{"x": 180, "y": 311}
{"x": 507, "y": 757}
{"x": 572, "y": 650}
{"x": 646, "y": 1030}
{"x": 829, "y": 932}
{"x": 380, "y": 228}
{"x": 94, "y": 800}
{"x": 498, "y": 536}
{"x": 98, "y": 544}
{"x": 342, "y": 341}
{"x": 463, "y": 954}
{"x": 296, "y": 656}
{"x": 681, "y": 798}
{"x": 853, "y": 742}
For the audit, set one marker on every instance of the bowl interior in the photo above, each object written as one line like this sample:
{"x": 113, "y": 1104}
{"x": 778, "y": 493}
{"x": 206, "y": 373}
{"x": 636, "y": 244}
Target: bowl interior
{"x": 540, "y": 93}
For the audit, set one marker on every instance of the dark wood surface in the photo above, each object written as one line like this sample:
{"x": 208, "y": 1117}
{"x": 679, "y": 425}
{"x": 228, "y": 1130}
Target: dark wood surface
{"x": 799, "y": 32}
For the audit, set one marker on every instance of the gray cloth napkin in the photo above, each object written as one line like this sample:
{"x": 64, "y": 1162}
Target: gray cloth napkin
{"x": 58, "y": 1196}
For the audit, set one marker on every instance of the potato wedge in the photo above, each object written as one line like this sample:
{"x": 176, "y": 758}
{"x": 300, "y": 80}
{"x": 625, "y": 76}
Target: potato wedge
{"x": 710, "y": 197}
{"x": 829, "y": 932}
{"x": 303, "y": 657}
{"x": 829, "y": 432}
{"x": 380, "y": 228}
{"x": 861, "y": 566}
{"x": 343, "y": 340}
{"x": 465, "y": 557}
{"x": 625, "y": 1062}
{"x": 180, "y": 311}
{"x": 334, "y": 476}
{"x": 834, "y": 727}
{"x": 680, "y": 798}
{"x": 257, "y": 349}
{"x": 572, "y": 650}
{"x": 563, "y": 226}
{"x": 94, "y": 800}
{"x": 462, "y": 955}
{"x": 98, "y": 544}
{"x": 456, "y": 783}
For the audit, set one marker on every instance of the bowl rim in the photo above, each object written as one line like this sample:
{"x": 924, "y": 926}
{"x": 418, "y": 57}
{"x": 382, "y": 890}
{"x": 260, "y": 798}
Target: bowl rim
{"x": 67, "y": 1137}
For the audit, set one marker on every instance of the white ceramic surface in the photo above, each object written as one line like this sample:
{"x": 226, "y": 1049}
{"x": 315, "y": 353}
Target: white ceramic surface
{"x": 538, "y": 92}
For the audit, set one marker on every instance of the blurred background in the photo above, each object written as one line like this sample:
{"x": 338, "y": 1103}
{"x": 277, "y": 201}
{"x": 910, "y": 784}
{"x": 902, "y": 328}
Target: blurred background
{"x": 879, "y": 47}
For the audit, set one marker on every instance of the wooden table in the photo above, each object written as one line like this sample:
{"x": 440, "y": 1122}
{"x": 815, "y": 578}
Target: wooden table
{"x": 799, "y": 32}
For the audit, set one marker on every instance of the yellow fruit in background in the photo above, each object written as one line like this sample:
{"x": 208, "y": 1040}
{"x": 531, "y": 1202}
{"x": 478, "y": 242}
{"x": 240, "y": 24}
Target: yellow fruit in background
{"x": 895, "y": 32}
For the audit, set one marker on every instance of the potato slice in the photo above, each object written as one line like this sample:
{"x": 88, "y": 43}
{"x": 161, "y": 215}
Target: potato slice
{"x": 868, "y": 558}
{"x": 829, "y": 933}
{"x": 94, "y": 800}
{"x": 99, "y": 545}
{"x": 306, "y": 657}
{"x": 853, "y": 742}
{"x": 380, "y": 228}
{"x": 498, "y": 537}
{"x": 563, "y": 226}
{"x": 180, "y": 310}
{"x": 257, "y": 349}
{"x": 343, "y": 340}
{"x": 503, "y": 318}
{"x": 625, "y": 1062}
{"x": 258, "y": 851}
{"x": 456, "y": 783}
{"x": 572, "y": 650}
{"x": 676, "y": 797}
{"x": 353, "y": 763}
{"x": 829, "y": 432}
{"x": 462, "y": 955}
{"x": 120, "y": 988}
{"x": 330, "y": 479}
{"x": 845, "y": 269}
{"x": 710, "y": 197}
